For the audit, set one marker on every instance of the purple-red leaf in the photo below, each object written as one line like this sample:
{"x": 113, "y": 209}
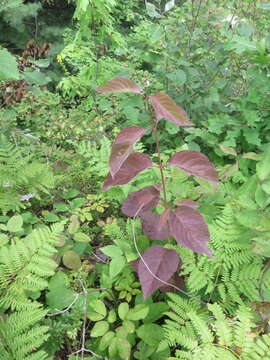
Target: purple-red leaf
{"x": 123, "y": 146}
{"x": 162, "y": 262}
{"x": 141, "y": 200}
{"x": 189, "y": 229}
{"x": 134, "y": 164}
{"x": 165, "y": 108}
{"x": 187, "y": 202}
{"x": 195, "y": 163}
{"x": 155, "y": 226}
{"x": 119, "y": 84}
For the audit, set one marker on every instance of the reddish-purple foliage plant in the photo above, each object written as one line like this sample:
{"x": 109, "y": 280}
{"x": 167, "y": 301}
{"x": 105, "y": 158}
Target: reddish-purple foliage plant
{"x": 185, "y": 223}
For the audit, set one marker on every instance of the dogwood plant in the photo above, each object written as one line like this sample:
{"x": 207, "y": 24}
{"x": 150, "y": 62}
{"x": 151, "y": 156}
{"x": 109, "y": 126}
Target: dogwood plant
{"x": 185, "y": 224}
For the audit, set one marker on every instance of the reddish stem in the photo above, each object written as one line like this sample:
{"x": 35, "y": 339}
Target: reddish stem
{"x": 155, "y": 131}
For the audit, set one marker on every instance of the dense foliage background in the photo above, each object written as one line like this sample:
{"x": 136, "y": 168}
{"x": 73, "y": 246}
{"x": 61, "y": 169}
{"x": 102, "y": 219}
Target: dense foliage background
{"x": 67, "y": 290}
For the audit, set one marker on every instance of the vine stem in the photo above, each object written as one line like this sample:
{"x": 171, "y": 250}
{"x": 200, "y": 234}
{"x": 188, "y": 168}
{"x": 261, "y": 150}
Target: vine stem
{"x": 160, "y": 166}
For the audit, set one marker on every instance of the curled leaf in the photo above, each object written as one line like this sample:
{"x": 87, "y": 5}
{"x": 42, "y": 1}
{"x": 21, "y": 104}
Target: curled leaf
{"x": 166, "y": 108}
{"x": 119, "y": 84}
{"x": 134, "y": 164}
{"x": 189, "y": 229}
{"x": 123, "y": 146}
{"x": 162, "y": 262}
{"x": 195, "y": 163}
{"x": 141, "y": 200}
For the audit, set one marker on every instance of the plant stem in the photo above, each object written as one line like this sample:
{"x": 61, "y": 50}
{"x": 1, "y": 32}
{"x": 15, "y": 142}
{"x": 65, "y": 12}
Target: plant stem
{"x": 154, "y": 127}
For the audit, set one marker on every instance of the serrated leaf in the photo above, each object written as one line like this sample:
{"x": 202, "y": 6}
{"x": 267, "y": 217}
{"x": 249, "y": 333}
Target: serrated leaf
{"x": 15, "y": 223}
{"x": 119, "y": 84}
{"x": 141, "y": 200}
{"x": 195, "y": 163}
{"x": 100, "y": 328}
{"x": 165, "y": 108}
{"x": 162, "y": 262}
{"x": 123, "y": 146}
{"x": 139, "y": 312}
{"x": 133, "y": 165}
{"x": 189, "y": 229}
{"x": 123, "y": 309}
{"x": 71, "y": 260}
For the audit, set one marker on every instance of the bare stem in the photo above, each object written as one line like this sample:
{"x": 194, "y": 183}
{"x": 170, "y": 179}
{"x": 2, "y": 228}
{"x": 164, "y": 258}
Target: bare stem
{"x": 154, "y": 127}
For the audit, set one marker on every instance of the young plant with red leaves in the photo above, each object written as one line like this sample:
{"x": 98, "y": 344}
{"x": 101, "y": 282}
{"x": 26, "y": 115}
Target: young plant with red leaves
{"x": 185, "y": 224}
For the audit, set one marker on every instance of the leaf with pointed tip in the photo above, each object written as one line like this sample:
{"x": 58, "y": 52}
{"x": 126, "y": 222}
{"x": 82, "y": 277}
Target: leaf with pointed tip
{"x": 195, "y": 163}
{"x": 155, "y": 226}
{"x": 119, "y": 84}
{"x": 189, "y": 229}
{"x": 187, "y": 202}
{"x": 141, "y": 200}
{"x": 134, "y": 164}
{"x": 123, "y": 146}
{"x": 166, "y": 108}
{"x": 162, "y": 262}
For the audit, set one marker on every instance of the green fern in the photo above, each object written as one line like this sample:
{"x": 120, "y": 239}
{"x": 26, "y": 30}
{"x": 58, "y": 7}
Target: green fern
{"x": 200, "y": 334}
{"x": 21, "y": 335}
{"x": 25, "y": 265}
{"x": 233, "y": 275}
{"x": 20, "y": 175}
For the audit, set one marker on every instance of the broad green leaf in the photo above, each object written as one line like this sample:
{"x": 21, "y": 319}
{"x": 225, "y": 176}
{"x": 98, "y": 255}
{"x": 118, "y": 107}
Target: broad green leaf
{"x": 3, "y": 239}
{"x": 169, "y": 5}
{"x": 156, "y": 311}
{"x": 151, "y": 10}
{"x": 139, "y": 312}
{"x": 59, "y": 297}
{"x": 15, "y": 223}
{"x": 100, "y": 328}
{"x": 123, "y": 309}
{"x": 8, "y": 66}
{"x": 116, "y": 266}
{"x": 112, "y": 251}
{"x": 263, "y": 168}
{"x": 128, "y": 326}
{"x": 37, "y": 77}
{"x": 81, "y": 237}
{"x": 50, "y": 217}
{"x": 106, "y": 340}
{"x": 71, "y": 193}
{"x": 74, "y": 224}
{"x": 151, "y": 334}
{"x": 72, "y": 260}
{"x": 111, "y": 316}
{"x": 96, "y": 310}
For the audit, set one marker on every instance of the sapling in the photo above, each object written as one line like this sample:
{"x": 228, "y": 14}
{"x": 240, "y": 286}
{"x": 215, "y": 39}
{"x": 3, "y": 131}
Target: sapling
{"x": 185, "y": 224}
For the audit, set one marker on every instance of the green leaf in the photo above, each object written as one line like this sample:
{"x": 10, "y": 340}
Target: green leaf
{"x": 116, "y": 266}
{"x": 15, "y": 223}
{"x": 71, "y": 193}
{"x": 139, "y": 312}
{"x": 112, "y": 251}
{"x": 62, "y": 207}
{"x": 3, "y": 239}
{"x": 99, "y": 329}
{"x": 50, "y": 217}
{"x": 263, "y": 168}
{"x": 72, "y": 260}
{"x": 151, "y": 10}
{"x": 81, "y": 237}
{"x": 178, "y": 77}
{"x": 96, "y": 310}
{"x": 123, "y": 309}
{"x": 106, "y": 340}
{"x": 128, "y": 326}
{"x": 76, "y": 203}
{"x": 156, "y": 311}
{"x": 111, "y": 316}
{"x": 124, "y": 348}
{"x": 36, "y": 77}
{"x": 74, "y": 224}
{"x": 59, "y": 298}
{"x": 8, "y": 66}
{"x": 151, "y": 334}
